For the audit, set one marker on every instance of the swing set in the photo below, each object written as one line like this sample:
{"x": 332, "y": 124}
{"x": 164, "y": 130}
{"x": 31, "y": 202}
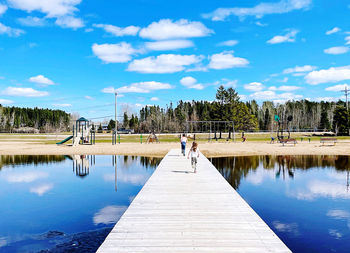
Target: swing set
{"x": 212, "y": 130}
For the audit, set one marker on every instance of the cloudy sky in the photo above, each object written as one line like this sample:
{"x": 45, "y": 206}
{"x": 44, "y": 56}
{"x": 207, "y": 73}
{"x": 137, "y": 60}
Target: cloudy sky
{"x": 73, "y": 54}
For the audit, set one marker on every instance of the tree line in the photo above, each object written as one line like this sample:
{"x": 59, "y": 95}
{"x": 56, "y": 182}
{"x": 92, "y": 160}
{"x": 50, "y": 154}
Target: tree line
{"x": 16, "y": 119}
{"x": 247, "y": 116}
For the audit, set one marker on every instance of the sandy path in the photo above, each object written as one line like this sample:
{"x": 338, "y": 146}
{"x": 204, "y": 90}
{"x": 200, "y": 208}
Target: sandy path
{"x": 159, "y": 150}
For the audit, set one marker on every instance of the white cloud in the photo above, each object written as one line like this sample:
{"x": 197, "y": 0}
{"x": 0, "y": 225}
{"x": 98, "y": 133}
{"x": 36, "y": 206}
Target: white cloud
{"x": 109, "y": 215}
{"x": 3, "y": 9}
{"x": 40, "y": 79}
{"x": 168, "y": 45}
{"x": 254, "y": 86}
{"x": 327, "y": 99}
{"x": 226, "y": 60}
{"x": 62, "y": 105}
{"x": 288, "y": 37}
{"x": 41, "y": 189}
{"x": 119, "y": 31}
{"x": 260, "y": 10}
{"x": 272, "y": 95}
{"x": 5, "y": 101}
{"x": 335, "y": 233}
{"x": 53, "y": 8}
{"x": 336, "y": 50}
{"x": 258, "y": 23}
{"x": 140, "y": 87}
{"x": 334, "y": 30}
{"x": 226, "y": 83}
{"x": 164, "y": 63}
{"x": 284, "y": 88}
{"x": 191, "y": 83}
{"x": 70, "y": 22}
{"x": 338, "y": 214}
{"x": 32, "y": 21}
{"x": 114, "y": 53}
{"x": 331, "y": 75}
{"x": 26, "y": 177}
{"x": 228, "y": 43}
{"x": 166, "y": 29}
{"x": 263, "y": 95}
{"x": 338, "y": 87}
{"x": 286, "y": 227}
{"x": 24, "y": 92}
{"x": 12, "y": 32}
{"x": 299, "y": 69}
{"x": 154, "y": 99}
{"x": 89, "y": 98}
{"x": 347, "y": 39}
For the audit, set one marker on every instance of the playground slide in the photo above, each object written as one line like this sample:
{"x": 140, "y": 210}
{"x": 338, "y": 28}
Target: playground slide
{"x": 65, "y": 140}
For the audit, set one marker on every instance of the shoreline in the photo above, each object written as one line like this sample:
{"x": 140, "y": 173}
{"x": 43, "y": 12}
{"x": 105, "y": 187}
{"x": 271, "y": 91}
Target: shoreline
{"x": 161, "y": 149}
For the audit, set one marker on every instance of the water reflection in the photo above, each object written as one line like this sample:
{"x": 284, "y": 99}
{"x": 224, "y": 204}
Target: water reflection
{"x": 236, "y": 168}
{"x": 65, "y": 212}
{"x": 304, "y": 199}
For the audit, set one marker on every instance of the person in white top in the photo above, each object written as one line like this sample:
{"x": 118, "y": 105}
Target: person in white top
{"x": 183, "y": 144}
{"x": 194, "y": 152}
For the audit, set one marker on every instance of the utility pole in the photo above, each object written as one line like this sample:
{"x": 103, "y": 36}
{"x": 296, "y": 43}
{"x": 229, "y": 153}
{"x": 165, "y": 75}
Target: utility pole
{"x": 115, "y": 112}
{"x": 346, "y": 92}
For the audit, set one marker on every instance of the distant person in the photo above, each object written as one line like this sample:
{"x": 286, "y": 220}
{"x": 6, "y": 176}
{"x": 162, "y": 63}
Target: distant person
{"x": 272, "y": 140}
{"x": 183, "y": 144}
{"x": 243, "y": 137}
{"x": 194, "y": 152}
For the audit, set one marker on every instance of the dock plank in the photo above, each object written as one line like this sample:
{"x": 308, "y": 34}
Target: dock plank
{"x": 181, "y": 211}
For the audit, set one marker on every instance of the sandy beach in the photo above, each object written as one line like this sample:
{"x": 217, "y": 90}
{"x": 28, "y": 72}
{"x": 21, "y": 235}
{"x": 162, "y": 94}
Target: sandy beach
{"x": 159, "y": 150}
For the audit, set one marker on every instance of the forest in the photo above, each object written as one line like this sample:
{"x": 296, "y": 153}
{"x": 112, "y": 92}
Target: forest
{"x": 33, "y": 120}
{"x": 303, "y": 115}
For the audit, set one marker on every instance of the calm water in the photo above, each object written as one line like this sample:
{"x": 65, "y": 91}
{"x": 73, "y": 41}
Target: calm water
{"x": 304, "y": 199}
{"x": 65, "y": 203}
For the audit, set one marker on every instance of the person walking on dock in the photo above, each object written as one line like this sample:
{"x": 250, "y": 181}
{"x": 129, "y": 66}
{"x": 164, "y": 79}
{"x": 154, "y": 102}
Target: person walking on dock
{"x": 194, "y": 152}
{"x": 183, "y": 144}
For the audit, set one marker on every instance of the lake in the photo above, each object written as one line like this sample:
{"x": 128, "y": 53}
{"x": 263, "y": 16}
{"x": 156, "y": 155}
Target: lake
{"x": 66, "y": 203}
{"x": 305, "y": 200}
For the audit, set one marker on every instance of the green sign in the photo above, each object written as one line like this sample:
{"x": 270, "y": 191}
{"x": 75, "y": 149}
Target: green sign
{"x": 277, "y": 118}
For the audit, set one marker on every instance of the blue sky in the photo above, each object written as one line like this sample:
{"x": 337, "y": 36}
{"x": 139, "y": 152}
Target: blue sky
{"x": 73, "y": 54}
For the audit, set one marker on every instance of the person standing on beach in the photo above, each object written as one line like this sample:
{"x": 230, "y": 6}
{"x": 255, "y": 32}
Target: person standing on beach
{"x": 194, "y": 152}
{"x": 183, "y": 144}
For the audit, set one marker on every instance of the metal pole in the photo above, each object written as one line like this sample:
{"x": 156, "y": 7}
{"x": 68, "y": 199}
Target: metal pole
{"x": 115, "y": 117}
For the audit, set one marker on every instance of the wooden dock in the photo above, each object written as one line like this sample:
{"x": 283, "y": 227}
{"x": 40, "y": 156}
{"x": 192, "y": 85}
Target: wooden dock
{"x": 179, "y": 211}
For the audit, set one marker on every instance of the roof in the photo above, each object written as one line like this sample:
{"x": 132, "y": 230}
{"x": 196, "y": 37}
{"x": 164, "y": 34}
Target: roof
{"x": 83, "y": 119}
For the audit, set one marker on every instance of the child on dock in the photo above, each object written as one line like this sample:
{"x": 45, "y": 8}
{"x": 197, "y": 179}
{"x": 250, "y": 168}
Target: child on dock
{"x": 194, "y": 151}
{"x": 183, "y": 144}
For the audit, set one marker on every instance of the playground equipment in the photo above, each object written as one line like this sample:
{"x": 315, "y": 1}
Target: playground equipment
{"x": 83, "y": 133}
{"x": 283, "y": 126}
{"x": 220, "y": 129}
{"x": 152, "y": 137}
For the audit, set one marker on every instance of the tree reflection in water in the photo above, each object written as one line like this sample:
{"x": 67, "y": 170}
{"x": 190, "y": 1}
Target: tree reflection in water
{"x": 234, "y": 168}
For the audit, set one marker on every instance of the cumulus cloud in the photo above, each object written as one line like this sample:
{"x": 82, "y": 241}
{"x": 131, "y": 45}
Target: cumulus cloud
{"x": 228, "y": 43}
{"x": 154, "y": 99}
{"x": 284, "y": 88}
{"x": 12, "y": 32}
{"x": 70, "y": 22}
{"x": 347, "y": 39}
{"x": 140, "y": 87}
{"x": 227, "y": 83}
{"x": 254, "y": 86}
{"x": 3, "y": 9}
{"x": 52, "y": 8}
{"x": 299, "y": 69}
{"x": 338, "y": 87}
{"x": 286, "y": 227}
{"x": 119, "y": 31}
{"x": 40, "y": 79}
{"x": 260, "y": 10}
{"x": 114, "y": 53}
{"x": 331, "y": 75}
{"x": 191, "y": 83}
{"x": 168, "y": 45}
{"x": 24, "y": 92}
{"x": 41, "y": 189}
{"x": 288, "y": 37}
{"x": 164, "y": 63}
{"x": 26, "y": 177}
{"x": 62, "y": 105}
{"x": 226, "y": 60}
{"x": 109, "y": 215}
{"x": 276, "y": 98}
{"x": 5, "y": 101}
{"x": 32, "y": 21}
{"x": 336, "y": 50}
{"x": 334, "y": 30}
{"x": 166, "y": 29}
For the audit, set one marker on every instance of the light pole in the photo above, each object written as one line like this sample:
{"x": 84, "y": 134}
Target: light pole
{"x": 115, "y": 114}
